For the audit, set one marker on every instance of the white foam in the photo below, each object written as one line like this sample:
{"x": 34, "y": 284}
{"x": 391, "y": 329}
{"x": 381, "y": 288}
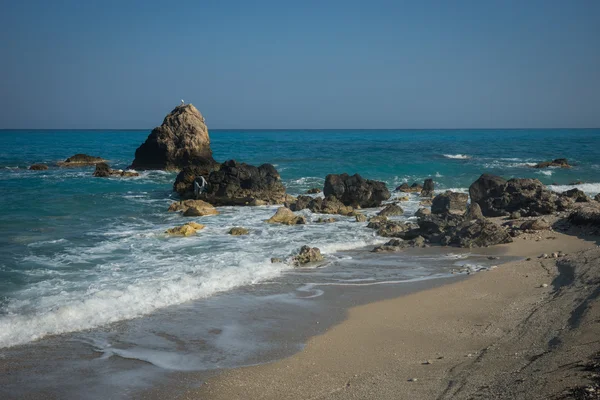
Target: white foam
{"x": 590, "y": 189}
{"x": 457, "y": 156}
{"x": 544, "y": 172}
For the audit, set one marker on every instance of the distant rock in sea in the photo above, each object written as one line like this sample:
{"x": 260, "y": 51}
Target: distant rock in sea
{"x": 559, "y": 162}
{"x": 182, "y": 140}
{"x": 103, "y": 170}
{"x": 38, "y": 167}
{"x": 80, "y": 160}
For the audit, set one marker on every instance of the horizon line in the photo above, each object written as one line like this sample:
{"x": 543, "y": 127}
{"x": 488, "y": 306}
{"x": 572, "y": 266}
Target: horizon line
{"x": 300, "y": 129}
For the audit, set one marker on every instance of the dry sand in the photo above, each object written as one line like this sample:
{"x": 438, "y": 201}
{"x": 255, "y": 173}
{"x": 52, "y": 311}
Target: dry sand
{"x": 498, "y": 334}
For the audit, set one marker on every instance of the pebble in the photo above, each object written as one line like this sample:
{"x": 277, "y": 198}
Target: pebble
{"x": 412, "y": 379}
{"x": 528, "y": 259}
{"x": 544, "y": 285}
{"x": 543, "y": 255}
{"x": 428, "y": 362}
{"x": 554, "y": 255}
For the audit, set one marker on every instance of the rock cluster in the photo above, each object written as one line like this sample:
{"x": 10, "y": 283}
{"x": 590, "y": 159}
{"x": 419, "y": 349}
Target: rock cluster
{"x": 356, "y": 191}
{"x": 184, "y": 182}
{"x": 499, "y": 197}
{"x": 577, "y": 195}
{"x": 80, "y": 160}
{"x": 38, "y": 167}
{"x": 391, "y": 210}
{"x": 313, "y": 191}
{"x": 559, "y": 162}
{"x": 242, "y": 184}
{"x": 103, "y": 170}
{"x": 181, "y": 140}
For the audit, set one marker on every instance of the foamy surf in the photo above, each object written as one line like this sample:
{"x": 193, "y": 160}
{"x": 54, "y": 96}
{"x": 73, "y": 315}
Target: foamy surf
{"x": 457, "y": 156}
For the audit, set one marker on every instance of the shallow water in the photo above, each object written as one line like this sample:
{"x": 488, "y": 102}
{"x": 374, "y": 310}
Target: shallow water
{"x": 86, "y": 256}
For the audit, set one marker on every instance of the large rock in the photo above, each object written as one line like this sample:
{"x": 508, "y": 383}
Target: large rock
{"x": 200, "y": 208}
{"x": 80, "y": 160}
{"x": 559, "y": 163}
{"x": 535, "y": 225}
{"x": 428, "y": 188}
{"x": 181, "y": 140}
{"x": 586, "y": 215}
{"x": 473, "y": 212}
{"x": 242, "y": 184}
{"x": 356, "y": 191}
{"x": 188, "y": 229}
{"x": 529, "y": 197}
{"x": 287, "y": 217}
{"x": 103, "y": 170}
{"x": 38, "y": 167}
{"x": 449, "y": 202}
{"x": 486, "y": 183}
{"x": 184, "y": 182}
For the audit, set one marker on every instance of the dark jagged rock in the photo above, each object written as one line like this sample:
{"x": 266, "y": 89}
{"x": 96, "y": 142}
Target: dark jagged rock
{"x": 436, "y": 224}
{"x": 313, "y": 191}
{"x": 559, "y": 162}
{"x": 242, "y": 184}
{"x": 578, "y": 196}
{"x": 38, "y": 167}
{"x": 391, "y": 210}
{"x": 181, "y": 140}
{"x": 307, "y": 255}
{"x": 80, "y": 160}
{"x": 486, "y": 183}
{"x": 421, "y": 212}
{"x": 184, "y": 182}
{"x": 449, "y": 202}
{"x": 586, "y": 215}
{"x": 103, "y": 170}
{"x": 428, "y": 188}
{"x": 393, "y": 228}
{"x": 529, "y": 197}
{"x": 479, "y": 233}
{"x": 597, "y": 197}
{"x": 356, "y": 191}
{"x": 473, "y": 212}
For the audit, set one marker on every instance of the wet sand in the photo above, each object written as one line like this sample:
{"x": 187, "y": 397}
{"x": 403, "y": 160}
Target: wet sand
{"x": 498, "y": 334}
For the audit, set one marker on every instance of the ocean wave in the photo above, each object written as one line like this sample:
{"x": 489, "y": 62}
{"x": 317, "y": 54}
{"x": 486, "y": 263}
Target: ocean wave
{"x": 457, "y": 156}
{"x": 590, "y": 189}
{"x": 544, "y": 172}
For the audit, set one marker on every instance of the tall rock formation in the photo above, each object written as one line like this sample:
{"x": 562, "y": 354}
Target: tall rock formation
{"x": 180, "y": 141}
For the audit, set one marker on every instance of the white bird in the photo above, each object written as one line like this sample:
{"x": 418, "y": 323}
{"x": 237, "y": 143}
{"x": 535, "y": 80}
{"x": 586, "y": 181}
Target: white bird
{"x": 182, "y": 102}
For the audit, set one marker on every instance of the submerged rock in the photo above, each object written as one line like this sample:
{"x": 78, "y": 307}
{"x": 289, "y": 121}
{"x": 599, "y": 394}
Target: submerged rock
{"x": 286, "y": 216}
{"x": 321, "y": 220}
{"x": 80, "y": 160}
{"x": 360, "y": 217}
{"x": 414, "y": 188}
{"x": 559, "y": 162}
{"x": 180, "y": 141}
{"x": 103, "y": 170}
{"x": 185, "y": 230}
{"x": 238, "y": 231}
{"x": 307, "y": 255}
{"x": 391, "y": 210}
{"x": 449, "y": 202}
{"x": 428, "y": 187}
{"x": 356, "y": 191}
{"x": 200, "y": 208}
{"x": 38, "y": 167}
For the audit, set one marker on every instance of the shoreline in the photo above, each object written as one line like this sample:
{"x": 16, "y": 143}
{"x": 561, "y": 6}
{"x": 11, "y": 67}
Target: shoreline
{"x": 382, "y": 345}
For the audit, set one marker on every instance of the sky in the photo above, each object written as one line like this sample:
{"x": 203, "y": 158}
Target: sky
{"x": 300, "y": 64}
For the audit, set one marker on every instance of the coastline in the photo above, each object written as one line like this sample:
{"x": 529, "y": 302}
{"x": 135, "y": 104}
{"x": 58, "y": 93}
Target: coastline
{"x": 383, "y": 346}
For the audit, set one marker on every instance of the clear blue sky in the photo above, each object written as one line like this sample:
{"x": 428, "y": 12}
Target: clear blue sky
{"x": 301, "y": 64}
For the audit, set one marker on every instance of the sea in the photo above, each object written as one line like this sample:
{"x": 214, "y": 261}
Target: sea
{"x": 94, "y": 294}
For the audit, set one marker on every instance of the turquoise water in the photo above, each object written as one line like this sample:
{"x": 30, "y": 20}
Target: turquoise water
{"x": 79, "y": 252}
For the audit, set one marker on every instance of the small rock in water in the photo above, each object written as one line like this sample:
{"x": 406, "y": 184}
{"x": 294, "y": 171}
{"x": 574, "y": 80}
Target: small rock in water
{"x": 543, "y": 255}
{"x": 276, "y": 260}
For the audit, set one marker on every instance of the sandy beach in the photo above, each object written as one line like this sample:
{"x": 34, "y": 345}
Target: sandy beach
{"x": 523, "y": 330}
